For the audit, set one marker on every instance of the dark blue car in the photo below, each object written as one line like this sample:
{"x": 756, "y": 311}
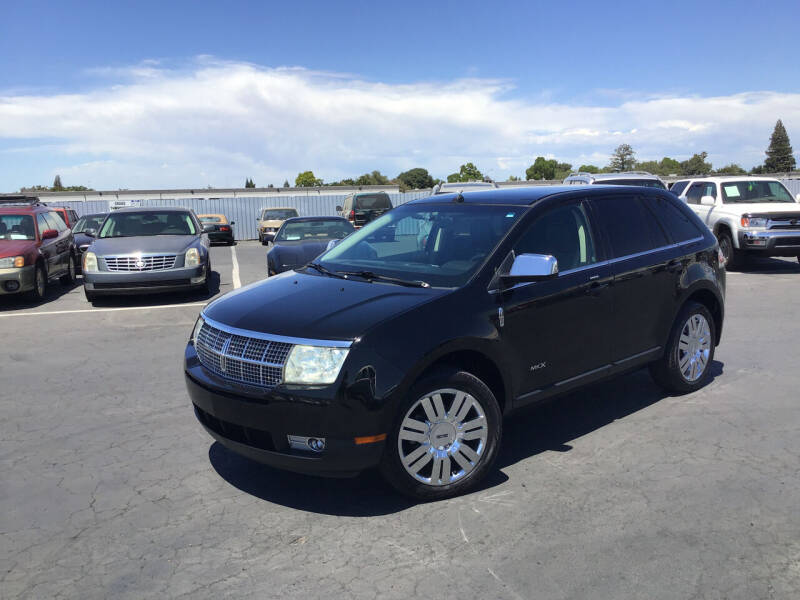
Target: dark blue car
{"x": 301, "y": 239}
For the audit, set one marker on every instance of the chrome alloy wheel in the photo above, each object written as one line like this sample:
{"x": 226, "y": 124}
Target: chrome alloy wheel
{"x": 694, "y": 348}
{"x": 437, "y": 446}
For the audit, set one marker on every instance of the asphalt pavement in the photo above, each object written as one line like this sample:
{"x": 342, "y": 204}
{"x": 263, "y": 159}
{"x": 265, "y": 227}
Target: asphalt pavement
{"x": 110, "y": 488}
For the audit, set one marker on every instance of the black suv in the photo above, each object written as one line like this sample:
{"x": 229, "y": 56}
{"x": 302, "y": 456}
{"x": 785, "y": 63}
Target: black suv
{"x": 406, "y": 344}
{"x": 361, "y": 208}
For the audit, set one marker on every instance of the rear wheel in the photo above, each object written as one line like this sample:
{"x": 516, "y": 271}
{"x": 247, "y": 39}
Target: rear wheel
{"x": 39, "y": 284}
{"x": 69, "y": 277}
{"x": 732, "y": 256}
{"x": 685, "y": 366}
{"x": 446, "y": 438}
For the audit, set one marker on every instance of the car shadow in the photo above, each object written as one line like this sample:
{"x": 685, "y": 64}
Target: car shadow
{"x": 144, "y": 300}
{"x": 765, "y": 265}
{"x": 550, "y": 425}
{"x": 55, "y": 290}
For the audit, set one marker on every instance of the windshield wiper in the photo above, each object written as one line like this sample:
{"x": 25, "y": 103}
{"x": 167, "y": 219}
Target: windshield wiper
{"x": 322, "y": 269}
{"x": 369, "y": 275}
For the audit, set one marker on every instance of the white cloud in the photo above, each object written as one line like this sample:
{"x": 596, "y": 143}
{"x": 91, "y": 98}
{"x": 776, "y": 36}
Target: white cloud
{"x": 217, "y": 123}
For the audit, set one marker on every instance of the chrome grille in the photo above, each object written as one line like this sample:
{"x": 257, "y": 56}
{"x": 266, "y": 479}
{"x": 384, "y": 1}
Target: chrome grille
{"x": 253, "y": 361}
{"x": 135, "y": 262}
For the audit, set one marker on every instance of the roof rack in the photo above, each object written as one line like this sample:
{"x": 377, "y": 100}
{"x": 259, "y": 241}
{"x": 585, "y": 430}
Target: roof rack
{"x": 19, "y": 200}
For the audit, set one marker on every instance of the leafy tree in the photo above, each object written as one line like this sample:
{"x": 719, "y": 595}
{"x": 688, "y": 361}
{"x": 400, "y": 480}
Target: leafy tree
{"x": 543, "y": 168}
{"x": 270, "y": 186}
{"x": 757, "y": 170}
{"x": 669, "y": 166}
{"x": 732, "y": 169}
{"x": 374, "y": 178}
{"x": 453, "y": 178}
{"x": 416, "y": 179}
{"x": 285, "y": 183}
{"x": 779, "y": 153}
{"x": 306, "y": 179}
{"x": 512, "y": 178}
{"x": 57, "y": 187}
{"x": 467, "y": 172}
{"x": 623, "y": 158}
{"x": 696, "y": 165}
{"x": 589, "y": 169}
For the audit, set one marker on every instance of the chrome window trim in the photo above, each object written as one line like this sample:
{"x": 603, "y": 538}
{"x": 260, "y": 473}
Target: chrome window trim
{"x": 269, "y": 337}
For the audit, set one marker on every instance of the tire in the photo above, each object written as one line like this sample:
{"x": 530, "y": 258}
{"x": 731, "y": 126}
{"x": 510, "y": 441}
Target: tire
{"x": 39, "y": 291}
{"x": 466, "y": 455}
{"x": 694, "y": 326}
{"x": 732, "y": 256}
{"x": 69, "y": 277}
{"x": 207, "y": 282}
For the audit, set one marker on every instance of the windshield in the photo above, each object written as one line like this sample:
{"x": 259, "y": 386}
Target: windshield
{"x": 652, "y": 183}
{"x": 754, "y": 191}
{"x": 441, "y": 244}
{"x": 278, "y": 214}
{"x": 88, "y": 222}
{"x": 322, "y": 229}
{"x": 208, "y": 219}
{"x": 17, "y": 227}
{"x": 131, "y": 224}
{"x": 373, "y": 201}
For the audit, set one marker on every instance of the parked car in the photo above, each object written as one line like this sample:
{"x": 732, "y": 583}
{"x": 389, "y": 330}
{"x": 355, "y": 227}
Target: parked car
{"x": 362, "y": 207}
{"x": 271, "y": 220}
{"x": 302, "y": 239}
{"x": 68, "y": 215}
{"x": 140, "y": 250}
{"x": 218, "y": 228}
{"x": 36, "y": 247}
{"x": 464, "y": 186}
{"x": 382, "y": 353}
{"x": 84, "y": 232}
{"x": 749, "y": 215}
{"x": 640, "y": 178}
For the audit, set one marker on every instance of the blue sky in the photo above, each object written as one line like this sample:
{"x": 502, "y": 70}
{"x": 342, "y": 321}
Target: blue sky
{"x": 144, "y": 94}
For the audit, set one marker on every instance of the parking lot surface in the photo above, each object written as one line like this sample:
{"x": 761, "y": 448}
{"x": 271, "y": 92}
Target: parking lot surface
{"x": 110, "y": 488}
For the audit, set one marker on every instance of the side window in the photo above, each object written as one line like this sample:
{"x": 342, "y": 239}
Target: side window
{"x": 563, "y": 232}
{"x": 678, "y": 225}
{"x": 630, "y": 227}
{"x": 678, "y": 187}
{"x": 694, "y": 193}
{"x": 42, "y": 224}
{"x": 73, "y": 218}
{"x": 54, "y": 221}
{"x": 709, "y": 189}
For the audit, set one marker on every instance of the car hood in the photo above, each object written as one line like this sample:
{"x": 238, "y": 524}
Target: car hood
{"x": 294, "y": 254}
{"x": 762, "y": 208}
{"x": 316, "y": 306}
{"x": 145, "y": 244}
{"x": 16, "y": 247}
{"x": 82, "y": 239}
{"x": 272, "y": 223}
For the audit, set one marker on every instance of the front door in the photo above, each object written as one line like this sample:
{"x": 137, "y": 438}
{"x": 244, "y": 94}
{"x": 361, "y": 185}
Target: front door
{"x": 558, "y": 329}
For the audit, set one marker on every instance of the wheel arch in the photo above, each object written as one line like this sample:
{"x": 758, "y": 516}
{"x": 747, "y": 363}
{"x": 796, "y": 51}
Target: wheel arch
{"x": 709, "y": 299}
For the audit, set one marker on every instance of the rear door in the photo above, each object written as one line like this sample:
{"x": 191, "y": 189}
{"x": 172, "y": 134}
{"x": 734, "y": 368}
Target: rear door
{"x": 645, "y": 267}
{"x": 48, "y": 247}
{"x": 63, "y": 243}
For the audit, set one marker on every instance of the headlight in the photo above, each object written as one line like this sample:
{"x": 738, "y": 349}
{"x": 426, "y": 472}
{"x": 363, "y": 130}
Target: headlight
{"x": 12, "y": 261}
{"x": 314, "y": 364}
{"x": 90, "y": 262}
{"x": 754, "y": 221}
{"x": 196, "y": 331}
{"x": 192, "y": 258}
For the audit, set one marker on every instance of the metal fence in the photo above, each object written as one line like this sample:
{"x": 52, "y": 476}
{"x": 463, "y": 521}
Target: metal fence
{"x": 243, "y": 211}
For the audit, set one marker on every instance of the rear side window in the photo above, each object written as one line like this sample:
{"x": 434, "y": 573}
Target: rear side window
{"x": 678, "y": 187}
{"x": 679, "y": 226}
{"x": 629, "y": 227}
{"x": 370, "y": 201}
{"x": 56, "y": 221}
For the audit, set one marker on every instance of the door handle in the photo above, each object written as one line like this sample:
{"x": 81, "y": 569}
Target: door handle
{"x": 674, "y": 266}
{"x": 594, "y": 288}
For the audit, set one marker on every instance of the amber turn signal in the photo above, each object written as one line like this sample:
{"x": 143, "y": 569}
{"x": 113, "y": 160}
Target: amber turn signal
{"x": 370, "y": 439}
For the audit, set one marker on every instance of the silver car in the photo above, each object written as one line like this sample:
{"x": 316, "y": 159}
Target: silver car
{"x": 640, "y": 178}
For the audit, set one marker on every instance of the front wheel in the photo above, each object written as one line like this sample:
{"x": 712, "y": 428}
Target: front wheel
{"x": 69, "y": 277}
{"x": 686, "y": 364}
{"x": 39, "y": 290}
{"x": 732, "y": 256}
{"x": 445, "y": 439}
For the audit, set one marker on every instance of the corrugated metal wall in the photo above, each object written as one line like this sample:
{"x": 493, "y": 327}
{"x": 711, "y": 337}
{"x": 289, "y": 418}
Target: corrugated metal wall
{"x": 244, "y": 211}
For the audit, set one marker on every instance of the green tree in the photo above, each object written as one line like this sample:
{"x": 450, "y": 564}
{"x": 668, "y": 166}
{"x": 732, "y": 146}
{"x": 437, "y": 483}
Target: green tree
{"x": 416, "y": 179}
{"x": 543, "y": 168}
{"x": 374, "y": 178}
{"x": 589, "y": 169}
{"x": 512, "y": 178}
{"x": 779, "y": 154}
{"x": 306, "y": 179}
{"x": 623, "y": 158}
{"x": 285, "y": 183}
{"x": 669, "y": 166}
{"x": 467, "y": 172}
{"x": 696, "y": 165}
{"x": 249, "y": 183}
{"x": 732, "y": 169}
{"x": 57, "y": 187}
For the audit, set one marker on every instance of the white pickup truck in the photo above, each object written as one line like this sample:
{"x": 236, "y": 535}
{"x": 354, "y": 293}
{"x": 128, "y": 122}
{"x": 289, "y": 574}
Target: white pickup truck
{"x": 749, "y": 215}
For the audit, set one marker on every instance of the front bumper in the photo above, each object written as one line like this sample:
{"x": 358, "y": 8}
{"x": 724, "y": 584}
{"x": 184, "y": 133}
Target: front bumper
{"x": 256, "y": 423}
{"x": 771, "y": 242}
{"x": 16, "y": 280}
{"x": 144, "y": 282}
{"x": 267, "y": 236}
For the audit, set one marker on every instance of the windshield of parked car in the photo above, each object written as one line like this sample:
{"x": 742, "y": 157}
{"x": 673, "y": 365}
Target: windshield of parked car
{"x": 17, "y": 227}
{"x": 131, "y": 224}
{"x": 278, "y": 214}
{"x": 373, "y": 201}
{"x": 754, "y": 191}
{"x": 318, "y": 229}
{"x": 441, "y": 244}
{"x": 653, "y": 183}
{"x": 88, "y": 222}
{"x": 207, "y": 219}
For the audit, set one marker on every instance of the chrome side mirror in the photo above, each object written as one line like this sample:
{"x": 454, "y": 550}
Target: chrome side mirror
{"x": 531, "y": 267}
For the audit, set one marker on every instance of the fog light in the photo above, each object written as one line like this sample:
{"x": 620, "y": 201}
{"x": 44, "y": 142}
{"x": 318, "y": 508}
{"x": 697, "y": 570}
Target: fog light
{"x": 756, "y": 241}
{"x": 200, "y": 279}
{"x": 299, "y": 442}
{"x": 11, "y": 286}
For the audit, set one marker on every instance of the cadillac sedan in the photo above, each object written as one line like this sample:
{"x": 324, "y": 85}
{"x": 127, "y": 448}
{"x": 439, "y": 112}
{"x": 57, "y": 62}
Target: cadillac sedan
{"x": 302, "y": 239}
{"x": 145, "y": 250}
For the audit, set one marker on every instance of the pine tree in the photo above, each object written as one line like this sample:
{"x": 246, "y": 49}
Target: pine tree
{"x": 57, "y": 187}
{"x": 623, "y": 158}
{"x": 779, "y": 153}
{"x": 286, "y": 183}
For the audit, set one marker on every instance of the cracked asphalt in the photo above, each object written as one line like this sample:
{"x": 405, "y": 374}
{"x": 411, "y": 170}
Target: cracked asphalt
{"x": 110, "y": 488}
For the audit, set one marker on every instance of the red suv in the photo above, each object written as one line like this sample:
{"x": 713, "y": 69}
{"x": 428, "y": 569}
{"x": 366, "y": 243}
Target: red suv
{"x": 36, "y": 247}
{"x": 69, "y": 215}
